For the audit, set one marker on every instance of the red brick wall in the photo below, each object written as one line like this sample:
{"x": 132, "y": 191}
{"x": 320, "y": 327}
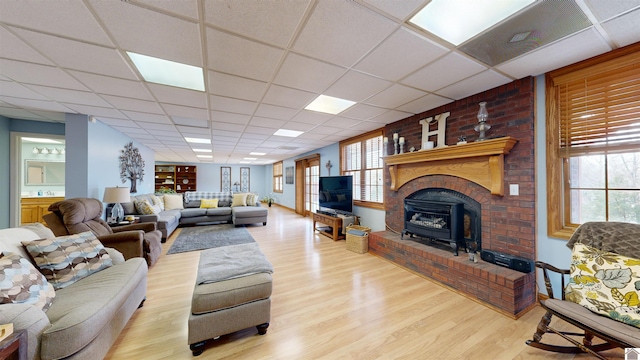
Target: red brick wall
{"x": 508, "y": 222}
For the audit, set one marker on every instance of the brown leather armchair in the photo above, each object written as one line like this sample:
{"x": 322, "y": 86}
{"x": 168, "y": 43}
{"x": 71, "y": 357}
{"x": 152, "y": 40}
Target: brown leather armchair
{"x": 73, "y": 216}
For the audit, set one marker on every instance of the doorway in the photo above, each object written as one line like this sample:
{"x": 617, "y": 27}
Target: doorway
{"x": 307, "y": 177}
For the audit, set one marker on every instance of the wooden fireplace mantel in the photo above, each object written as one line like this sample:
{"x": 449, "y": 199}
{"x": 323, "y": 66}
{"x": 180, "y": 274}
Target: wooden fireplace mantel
{"x": 481, "y": 162}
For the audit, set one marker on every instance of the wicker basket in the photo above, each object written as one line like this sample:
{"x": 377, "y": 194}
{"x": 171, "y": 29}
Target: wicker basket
{"x": 356, "y": 243}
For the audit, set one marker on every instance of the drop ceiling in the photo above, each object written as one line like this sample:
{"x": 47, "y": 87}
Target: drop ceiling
{"x": 264, "y": 61}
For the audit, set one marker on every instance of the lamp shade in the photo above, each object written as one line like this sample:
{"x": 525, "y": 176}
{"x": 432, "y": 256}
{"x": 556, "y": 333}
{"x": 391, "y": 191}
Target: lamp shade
{"x": 116, "y": 195}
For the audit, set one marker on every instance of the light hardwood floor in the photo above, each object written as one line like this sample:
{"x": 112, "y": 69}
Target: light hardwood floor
{"x": 330, "y": 303}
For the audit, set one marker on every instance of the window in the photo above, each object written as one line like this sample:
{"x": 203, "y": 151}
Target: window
{"x": 277, "y": 177}
{"x": 362, "y": 157}
{"x": 593, "y": 141}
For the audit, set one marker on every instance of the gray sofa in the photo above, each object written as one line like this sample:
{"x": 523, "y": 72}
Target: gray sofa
{"x": 191, "y": 213}
{"x": 86, "y": 317}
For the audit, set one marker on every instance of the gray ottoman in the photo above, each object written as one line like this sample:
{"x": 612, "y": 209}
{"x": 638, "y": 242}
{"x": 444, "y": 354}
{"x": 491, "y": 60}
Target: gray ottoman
{"x": 241, "y": 215}
{"x": 228, "y": 306}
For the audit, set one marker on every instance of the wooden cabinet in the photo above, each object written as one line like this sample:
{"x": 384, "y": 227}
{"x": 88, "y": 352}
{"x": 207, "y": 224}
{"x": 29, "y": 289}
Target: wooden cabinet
{"x": 32, "y": 208}
{"x": 180, "y": 178}
{"x": 333, "y": 230}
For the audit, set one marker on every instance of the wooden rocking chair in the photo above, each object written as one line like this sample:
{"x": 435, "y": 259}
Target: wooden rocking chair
{"x": 620, "y": 238}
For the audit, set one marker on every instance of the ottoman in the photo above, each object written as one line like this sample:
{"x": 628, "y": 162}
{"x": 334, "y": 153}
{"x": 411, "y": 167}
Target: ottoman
{"x": 241, "y": 215}
{"x": 226, "y": 306}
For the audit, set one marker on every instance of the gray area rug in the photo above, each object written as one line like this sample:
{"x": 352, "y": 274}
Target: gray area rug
{"x": 211, "y": 236}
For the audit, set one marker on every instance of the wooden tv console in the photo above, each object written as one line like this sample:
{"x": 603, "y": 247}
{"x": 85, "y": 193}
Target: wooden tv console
{"x": 334, "y": 225}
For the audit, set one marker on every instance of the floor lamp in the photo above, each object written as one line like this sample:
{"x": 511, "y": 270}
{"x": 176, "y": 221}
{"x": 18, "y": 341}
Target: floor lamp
{"x": 116, "y": 195}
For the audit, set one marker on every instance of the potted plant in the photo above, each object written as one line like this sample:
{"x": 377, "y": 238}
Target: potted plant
{"x": 269, "y": 199}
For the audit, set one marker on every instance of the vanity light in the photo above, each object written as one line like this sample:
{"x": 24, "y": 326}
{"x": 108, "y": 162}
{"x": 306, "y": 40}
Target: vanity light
{"x": 35, "y": 150}
{"x": 44, "y": 151}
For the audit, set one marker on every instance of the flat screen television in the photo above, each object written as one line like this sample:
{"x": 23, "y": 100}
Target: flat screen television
{"x": 336, "y": 194}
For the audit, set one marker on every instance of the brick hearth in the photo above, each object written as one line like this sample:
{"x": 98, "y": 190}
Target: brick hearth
{"x": 508, "y": 222}
{"x": 508, "y": 291}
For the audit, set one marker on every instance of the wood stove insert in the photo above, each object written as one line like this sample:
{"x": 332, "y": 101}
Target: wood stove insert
{"x": 436, "y": 221}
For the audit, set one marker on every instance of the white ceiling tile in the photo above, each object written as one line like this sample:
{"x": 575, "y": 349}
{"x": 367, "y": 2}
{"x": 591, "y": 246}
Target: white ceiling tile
{"x": 238, "y": 56}
{"x": 200, "y": 123}
{"x": 186, "y": 112}
{"x": 623, "y": 29}
{"x": 478, "y": 83}
{"x": 220, "y": 116}
{"x": 95, "y": 110}
{"x": 194, "y": 131}
{"x": 356, "y": 86}
{"x": 235, "y": 86}
{"x": 365, "y": 126}
{"x": 341, "y": 122}
{"x": 400, "y": 54}
{"x": 183, "y": 7}
{"x": 145, "y": 117}
{"x": 342, "y": 32}
{"x": 112, "y": 86}
{"x": 363, "y": 111}
{"x": 275, "y": 112}
{"x": 36, "y": 104}
{"x": 14, "y": 113}
{"x": 311, "y": 117}
{"x": 584, "y": 45}
{"x": 255, "y": 18}
{"x": 227, "y": 126}
{"x": 425, "y": 103}
{"x": 16, "y": 49}
{"x": 14, "y": 89}
{"x": 442, "y": 72}
{"x": 162, "y": 132}
{"x": 116, "y": 122}
{"x": 298, "y": 126}
{"x": 70, "y": 96}
{"x": 292, "y": 98}
{"x": 71, "y": 20}
{"x": 86, "y": 57}
{"x": 606, "y": 9}
{"x": 179, "y": 96}
{"x": 325, "y": 130}
{"x": 150, "y": 32}
{"x": 259, "y": 130}
{"x": 395, "y": 96}
{"x": 232, "y": 105}
{"x": 307, "y": 74}
{"x": 265, "y": 122}
{"x": 124, "y": 103}
{"x": 390, "y": 116}
{"x": 399, "y": 9}
{"x": 38, "y": 74}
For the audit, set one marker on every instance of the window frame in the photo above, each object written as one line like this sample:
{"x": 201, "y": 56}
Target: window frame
{"x": 362, "y": 139}
{"x": 278, "y": 177}
{"x": 558, "y": 190}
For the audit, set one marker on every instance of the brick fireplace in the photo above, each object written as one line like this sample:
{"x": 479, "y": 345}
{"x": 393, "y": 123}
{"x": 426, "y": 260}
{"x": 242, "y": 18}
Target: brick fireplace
{"x": 508, "y": 222}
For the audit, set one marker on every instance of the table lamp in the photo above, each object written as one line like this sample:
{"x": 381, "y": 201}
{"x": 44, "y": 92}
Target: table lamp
{"x": 116, "y": 195}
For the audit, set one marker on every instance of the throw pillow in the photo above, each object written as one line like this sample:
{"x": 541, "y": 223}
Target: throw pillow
{"x": 239, "y": 200}
{"x": 208, "y": 203}
{"x": 22, "y": 283}
{"x": 66, "y": 259}
{"x": 143, "y": 207}
{"x": 252, "y": 199}
{"x": 159, "y": 201}
{"x": 605, "y": 283}
{"x": 173, "y": 201}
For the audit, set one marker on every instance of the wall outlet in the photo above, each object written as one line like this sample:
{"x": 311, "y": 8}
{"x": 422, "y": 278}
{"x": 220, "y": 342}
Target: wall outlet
{"x": 514, "y": 189}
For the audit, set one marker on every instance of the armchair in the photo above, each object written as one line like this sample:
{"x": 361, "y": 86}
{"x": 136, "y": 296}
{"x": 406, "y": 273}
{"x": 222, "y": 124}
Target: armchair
{"x": 73, "y": 216}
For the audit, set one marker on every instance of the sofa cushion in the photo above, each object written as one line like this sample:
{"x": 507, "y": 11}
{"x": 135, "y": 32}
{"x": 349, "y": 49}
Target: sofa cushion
{"x": 221, "y": 211}
{"x": 84, "y": 309}
{"x": 129, "y": 208}
{"x": 605, "y": 283}
{"x": 173, "y": 201}
{"x": 252, "y": 199}
{"x": 250, "y": 211}
{"x": 239, "y": 200}
{"x": 159, "y": 201}
{"x": 66, "y": 259}
{"x": 22, "y": 283}
{"x": 144, "y": 207}
{"x": 10, "y": 239}
{"x": 193, "y": 212}
{"x": 209, "y": 203}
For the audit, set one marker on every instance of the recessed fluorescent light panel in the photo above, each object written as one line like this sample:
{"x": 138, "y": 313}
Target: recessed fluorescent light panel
{"x": 205, "y": 156}
{"x": 201, "y": 150}
{"x": 329, "y": 104}
{"x": 457, "y": 21}
{"x": 251, "y": 159}
{"x": 244, "y": 162}
{"x": 288, "y": 133}
{"x": 257, "y": 153}
{"x": 197, "y": 140}
{"x": 167, "y": 72}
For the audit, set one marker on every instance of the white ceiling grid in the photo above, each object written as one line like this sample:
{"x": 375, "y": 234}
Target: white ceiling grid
{"x": 264, "y": 61}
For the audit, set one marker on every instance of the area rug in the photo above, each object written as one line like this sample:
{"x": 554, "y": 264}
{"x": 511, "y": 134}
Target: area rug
{"x": 207, "y": 237}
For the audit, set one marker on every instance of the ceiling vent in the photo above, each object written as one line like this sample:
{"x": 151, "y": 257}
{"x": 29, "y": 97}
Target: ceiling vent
{"x": 290, "y": 148}
{"x": 543, "y": 24}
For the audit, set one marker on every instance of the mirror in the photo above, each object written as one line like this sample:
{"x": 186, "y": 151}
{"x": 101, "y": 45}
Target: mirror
{"x": 43, "y": 172}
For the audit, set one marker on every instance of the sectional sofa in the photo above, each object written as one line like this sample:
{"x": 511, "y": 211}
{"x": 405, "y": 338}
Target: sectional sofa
{"x": 173, "y": 210}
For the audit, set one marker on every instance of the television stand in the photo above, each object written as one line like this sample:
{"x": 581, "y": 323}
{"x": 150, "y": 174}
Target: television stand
{"x": 334, "y": 228}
